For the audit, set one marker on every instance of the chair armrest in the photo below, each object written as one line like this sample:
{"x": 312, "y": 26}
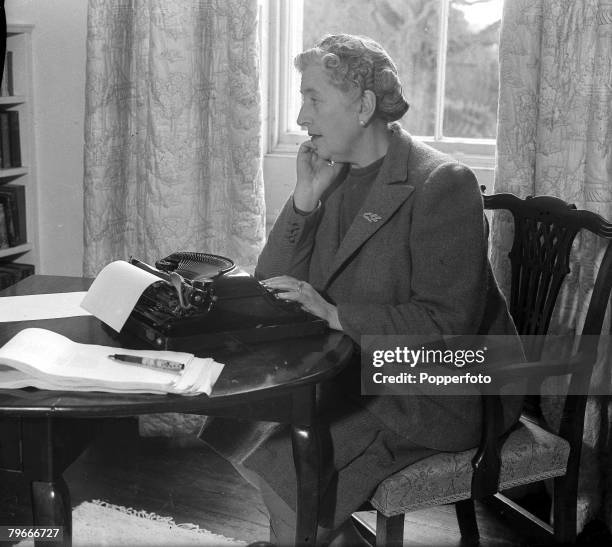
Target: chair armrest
{"x": 487, "y": 461}
{"x": 537, "y": 370}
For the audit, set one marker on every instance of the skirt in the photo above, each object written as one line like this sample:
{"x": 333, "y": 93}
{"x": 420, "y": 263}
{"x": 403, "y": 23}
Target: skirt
{"x": 360, "y": 449}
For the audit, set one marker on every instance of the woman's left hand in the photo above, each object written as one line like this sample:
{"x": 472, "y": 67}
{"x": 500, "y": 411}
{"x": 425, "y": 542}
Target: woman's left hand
{"x": 290, "y": 288}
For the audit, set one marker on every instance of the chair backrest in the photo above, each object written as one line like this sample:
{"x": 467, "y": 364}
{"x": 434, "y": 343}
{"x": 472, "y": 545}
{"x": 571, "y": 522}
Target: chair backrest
{"x": 544, "y": 229}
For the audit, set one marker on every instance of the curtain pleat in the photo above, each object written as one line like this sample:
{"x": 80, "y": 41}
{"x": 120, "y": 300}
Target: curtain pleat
{"x": 172, "y": 138}
{"x": 172, "y": 131}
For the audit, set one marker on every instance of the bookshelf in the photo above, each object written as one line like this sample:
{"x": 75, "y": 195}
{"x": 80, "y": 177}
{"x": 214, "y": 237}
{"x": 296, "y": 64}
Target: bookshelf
{"x": 17, "y": 163}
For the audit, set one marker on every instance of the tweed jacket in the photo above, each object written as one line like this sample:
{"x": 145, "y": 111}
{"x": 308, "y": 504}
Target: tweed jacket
{"x": 414, "y": 261}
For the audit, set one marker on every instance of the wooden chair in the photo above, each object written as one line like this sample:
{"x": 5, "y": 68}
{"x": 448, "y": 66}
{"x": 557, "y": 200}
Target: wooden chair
{"x": 545, "y": 228}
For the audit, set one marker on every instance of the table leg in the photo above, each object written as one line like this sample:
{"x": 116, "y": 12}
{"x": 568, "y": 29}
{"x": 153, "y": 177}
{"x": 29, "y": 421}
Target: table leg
{"x": 49, "y": 446}
{"x": 306, "y": 444}
{"x": 51, "y": 507}
{"x": 307, "y": 460}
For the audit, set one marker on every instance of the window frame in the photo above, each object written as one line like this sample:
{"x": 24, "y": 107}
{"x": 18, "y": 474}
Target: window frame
{"x": 282, "y": 19}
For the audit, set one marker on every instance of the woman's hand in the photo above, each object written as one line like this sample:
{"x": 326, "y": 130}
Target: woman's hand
{"x": 314, "y": 175}
{"x": 299, "y": 291}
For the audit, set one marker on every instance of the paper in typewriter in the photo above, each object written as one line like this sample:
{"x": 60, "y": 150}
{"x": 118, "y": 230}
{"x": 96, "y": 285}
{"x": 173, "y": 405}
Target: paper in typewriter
{"x": 115, "y": 291}
{"x": 46, "y": 360}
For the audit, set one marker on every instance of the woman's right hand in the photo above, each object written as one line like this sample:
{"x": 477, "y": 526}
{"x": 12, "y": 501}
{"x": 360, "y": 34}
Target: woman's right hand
{"x": 314, "y": 175}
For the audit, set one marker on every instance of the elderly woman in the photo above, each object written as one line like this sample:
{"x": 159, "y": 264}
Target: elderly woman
{"x": 382, "y": 235}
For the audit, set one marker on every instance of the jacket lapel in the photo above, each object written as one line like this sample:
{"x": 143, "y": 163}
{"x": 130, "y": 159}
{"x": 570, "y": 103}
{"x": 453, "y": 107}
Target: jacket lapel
{"x": 389, "y": 191}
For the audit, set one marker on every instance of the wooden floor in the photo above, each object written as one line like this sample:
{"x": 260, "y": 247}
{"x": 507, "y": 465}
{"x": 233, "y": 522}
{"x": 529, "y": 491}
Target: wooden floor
{"x": 188, "y": 482}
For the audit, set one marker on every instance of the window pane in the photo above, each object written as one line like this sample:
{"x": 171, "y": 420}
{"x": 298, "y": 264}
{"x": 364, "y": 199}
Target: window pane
{"x": 407, "y": 29}
{"x": 472, "y": 82}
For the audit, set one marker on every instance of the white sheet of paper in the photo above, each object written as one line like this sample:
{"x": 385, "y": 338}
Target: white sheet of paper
{"x": 115, "y": 291}
{"x": 41, "y": 306}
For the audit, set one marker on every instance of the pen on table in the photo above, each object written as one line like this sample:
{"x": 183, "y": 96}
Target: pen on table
{"x": 148, "y": 362}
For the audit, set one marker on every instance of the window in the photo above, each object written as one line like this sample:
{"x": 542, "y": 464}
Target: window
{"x": 446, "y": 52}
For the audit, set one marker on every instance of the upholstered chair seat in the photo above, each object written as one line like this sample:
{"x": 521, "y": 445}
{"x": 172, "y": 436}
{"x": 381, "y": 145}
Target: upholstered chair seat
{"x": 530, "y": 454}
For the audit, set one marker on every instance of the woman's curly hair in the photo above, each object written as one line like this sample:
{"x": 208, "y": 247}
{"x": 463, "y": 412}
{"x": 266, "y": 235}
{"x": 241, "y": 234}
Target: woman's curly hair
{"x": 359, "y": 61}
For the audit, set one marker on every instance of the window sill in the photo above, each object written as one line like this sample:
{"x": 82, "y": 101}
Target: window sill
{"x": 475, "y": 153}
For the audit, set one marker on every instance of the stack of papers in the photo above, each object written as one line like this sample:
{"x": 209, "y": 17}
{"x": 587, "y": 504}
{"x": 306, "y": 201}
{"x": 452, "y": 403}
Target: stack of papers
{"x": 46, "y": 360}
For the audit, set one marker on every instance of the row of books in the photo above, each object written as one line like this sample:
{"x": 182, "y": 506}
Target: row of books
{"x": 12, "y": 197}
{"x": 6, "y": 86}
{"x": 10, "y": 143}
{"x": 12, "y": 216}
{"x": 11, "y": 272}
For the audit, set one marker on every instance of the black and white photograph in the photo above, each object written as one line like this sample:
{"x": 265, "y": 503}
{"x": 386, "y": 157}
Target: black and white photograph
{"x": 327, "y": 273}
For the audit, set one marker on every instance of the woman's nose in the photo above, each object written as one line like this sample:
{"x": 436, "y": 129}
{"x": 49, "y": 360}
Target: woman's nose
{"x": 303, "y": 118}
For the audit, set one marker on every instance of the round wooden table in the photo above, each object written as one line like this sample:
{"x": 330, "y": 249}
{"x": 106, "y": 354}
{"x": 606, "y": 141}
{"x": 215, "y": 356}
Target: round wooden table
{"x": 272, "y": 381}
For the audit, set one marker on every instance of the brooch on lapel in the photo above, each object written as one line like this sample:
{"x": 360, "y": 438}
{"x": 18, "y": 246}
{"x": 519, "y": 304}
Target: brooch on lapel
{"x": 372, "y": 217}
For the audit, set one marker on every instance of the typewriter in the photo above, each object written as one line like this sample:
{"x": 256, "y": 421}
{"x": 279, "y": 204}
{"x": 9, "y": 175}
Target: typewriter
{"x": 204, "y": 301}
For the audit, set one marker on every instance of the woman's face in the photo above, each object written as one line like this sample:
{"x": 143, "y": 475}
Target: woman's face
{"x": 330, "y": 116}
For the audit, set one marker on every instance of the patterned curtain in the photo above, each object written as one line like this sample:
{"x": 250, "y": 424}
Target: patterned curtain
{"x": 555, "y": 138}
{"x": 172, "y": 131}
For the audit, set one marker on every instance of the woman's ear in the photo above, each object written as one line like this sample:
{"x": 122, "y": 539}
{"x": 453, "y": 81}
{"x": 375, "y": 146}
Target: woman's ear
{"x": 368, "y": 106}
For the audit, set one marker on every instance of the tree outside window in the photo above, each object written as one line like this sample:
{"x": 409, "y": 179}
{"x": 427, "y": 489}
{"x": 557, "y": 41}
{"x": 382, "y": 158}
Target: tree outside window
{"x": 457, "y": 101}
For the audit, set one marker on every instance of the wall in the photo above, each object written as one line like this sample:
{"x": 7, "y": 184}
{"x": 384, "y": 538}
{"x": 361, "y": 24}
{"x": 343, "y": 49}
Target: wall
{"x": 58, "y": 50}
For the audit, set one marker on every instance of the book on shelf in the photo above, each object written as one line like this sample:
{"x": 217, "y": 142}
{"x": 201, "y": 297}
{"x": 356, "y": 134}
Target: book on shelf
{"x": 7, "y": 222}
{"x": 14, "y": 139}
{"x": 43, "y": 359}
{"x": 4, "y": 238}
{"x": 6, "y": 280}
{"x": 12, "y": 198}
{"x": 19, "y": 270}
{"x": 6, "y": 86}
{"x": 10, "y": 142}
{"x": 12, "y": 272}
{"x": 5, "y": 141}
